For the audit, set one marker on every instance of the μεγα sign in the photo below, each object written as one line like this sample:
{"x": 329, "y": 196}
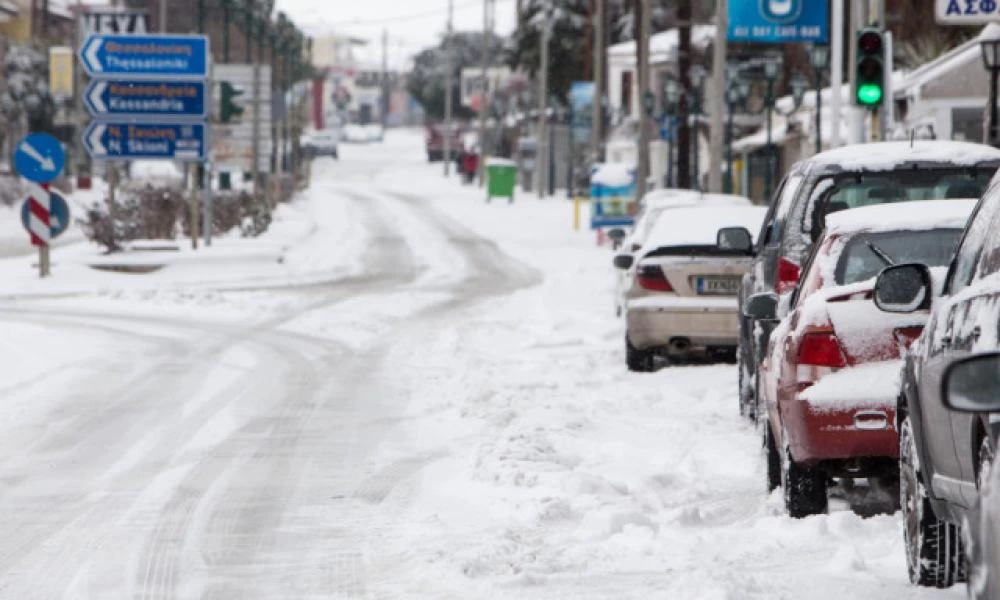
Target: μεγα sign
{"x": 779, "y": 21}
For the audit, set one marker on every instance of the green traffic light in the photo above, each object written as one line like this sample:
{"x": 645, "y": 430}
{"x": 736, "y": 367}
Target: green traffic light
{"x": 869, "y": 94}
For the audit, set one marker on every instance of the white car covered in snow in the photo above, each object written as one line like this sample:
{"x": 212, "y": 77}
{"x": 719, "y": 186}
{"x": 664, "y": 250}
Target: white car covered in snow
{"x": 682, "y": 296}
{"x": 651, "y": 207}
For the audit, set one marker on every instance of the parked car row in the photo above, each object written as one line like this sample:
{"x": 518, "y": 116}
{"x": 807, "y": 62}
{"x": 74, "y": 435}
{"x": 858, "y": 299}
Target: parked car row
{"x": 863, "y": 318}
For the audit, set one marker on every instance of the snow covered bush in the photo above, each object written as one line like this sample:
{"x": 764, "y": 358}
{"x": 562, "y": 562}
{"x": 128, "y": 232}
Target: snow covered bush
{"x": 12, "y": 191}
{"x": 141, "y": 212}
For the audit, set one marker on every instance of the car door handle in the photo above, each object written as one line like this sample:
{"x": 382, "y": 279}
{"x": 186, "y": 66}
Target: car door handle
{"x": 976, "y": 332}
{"x": 945, "y": 342}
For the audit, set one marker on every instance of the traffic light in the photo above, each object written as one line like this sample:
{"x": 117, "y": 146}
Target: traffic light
{"x": 228, "y": 108}
{"x": 869, "y": 85}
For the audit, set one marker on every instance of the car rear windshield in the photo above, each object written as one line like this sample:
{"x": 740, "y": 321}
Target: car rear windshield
{"x": 692, "y": 251}
{"x": 866, "y": 254}
{"x": 844, "y": 192}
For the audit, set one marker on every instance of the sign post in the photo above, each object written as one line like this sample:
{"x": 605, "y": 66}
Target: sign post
{"x": 149, "y": 98}
{"x": 39, "y": 158}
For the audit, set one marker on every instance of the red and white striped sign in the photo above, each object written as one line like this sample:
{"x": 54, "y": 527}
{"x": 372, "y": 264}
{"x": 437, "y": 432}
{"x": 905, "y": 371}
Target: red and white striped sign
{"x": 39, "y": 219}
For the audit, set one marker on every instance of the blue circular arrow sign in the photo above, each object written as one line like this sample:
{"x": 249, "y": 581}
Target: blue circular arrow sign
{"x": 39, "y": 158}
{"x": 59, "y": 214}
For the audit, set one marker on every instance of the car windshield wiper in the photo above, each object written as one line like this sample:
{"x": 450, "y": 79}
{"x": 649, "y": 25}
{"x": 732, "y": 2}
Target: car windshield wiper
{"x": 880, "y": 254}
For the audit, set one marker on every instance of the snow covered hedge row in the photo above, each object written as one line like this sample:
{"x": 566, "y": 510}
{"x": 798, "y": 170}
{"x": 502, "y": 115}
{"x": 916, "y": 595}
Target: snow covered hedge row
{"x": 162, "y": 212}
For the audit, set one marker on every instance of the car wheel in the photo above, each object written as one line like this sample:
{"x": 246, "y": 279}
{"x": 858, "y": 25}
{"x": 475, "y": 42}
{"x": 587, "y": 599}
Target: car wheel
{"x": 772, "y": 470}
{"x": 933, "y": 546}
{"x": 638, "y": 361}
{"x": 804, "y": 489}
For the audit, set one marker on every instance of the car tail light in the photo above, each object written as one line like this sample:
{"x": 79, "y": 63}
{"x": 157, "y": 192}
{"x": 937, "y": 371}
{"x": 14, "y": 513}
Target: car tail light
{"x": 652, "y": 278}
{"x": 787, "y": 277}
{"x": 821, "y": 349}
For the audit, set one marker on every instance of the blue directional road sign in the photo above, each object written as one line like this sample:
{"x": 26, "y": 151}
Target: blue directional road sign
{"x": 59, "y": 215}
{"x": 138, "y": 141}
{"x": 146, "y": 57}
{"x": 147, "y": 99}
{"x": 39, "y": 158}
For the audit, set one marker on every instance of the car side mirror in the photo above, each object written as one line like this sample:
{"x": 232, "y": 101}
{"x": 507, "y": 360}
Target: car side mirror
{"x": 762, "y": 307}
{"x": 624, "y": 261}
{"x": 618, "y": 234}
{"x": 735, "y": 239}
{"x": 904, "y": 288}
{"x": 970, "y": 385}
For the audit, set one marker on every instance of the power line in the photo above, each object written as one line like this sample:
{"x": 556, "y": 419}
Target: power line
{"x": 427, "y": 14}
{"x": 437, "y": 12}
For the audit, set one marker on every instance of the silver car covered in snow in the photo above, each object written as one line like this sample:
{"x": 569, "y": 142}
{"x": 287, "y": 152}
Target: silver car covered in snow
{"x": 682, "y": 297}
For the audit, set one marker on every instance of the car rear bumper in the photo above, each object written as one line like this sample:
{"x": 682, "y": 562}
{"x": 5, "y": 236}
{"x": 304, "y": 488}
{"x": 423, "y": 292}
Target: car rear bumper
{"x": 824, "y": 435}
{"x": 702, "y": 328}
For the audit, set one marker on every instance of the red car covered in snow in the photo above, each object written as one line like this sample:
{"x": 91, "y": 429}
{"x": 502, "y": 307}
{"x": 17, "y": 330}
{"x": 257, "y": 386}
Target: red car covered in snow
{"x": 830, "y": 379}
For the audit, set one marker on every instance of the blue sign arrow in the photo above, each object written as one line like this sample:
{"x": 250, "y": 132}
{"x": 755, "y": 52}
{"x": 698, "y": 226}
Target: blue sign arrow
{"x": 146, "y": 56}
{"x": 39, "y": 158}
{"x": 149, "y": 99}
{"x": 59, "y": 214}
{"x": 137, "y": 141}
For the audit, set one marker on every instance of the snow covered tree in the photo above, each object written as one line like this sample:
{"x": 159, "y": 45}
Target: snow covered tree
{"x": 568, "y": 46}
{"x": 427, "y": 80}
{"x": 26, "y": 100}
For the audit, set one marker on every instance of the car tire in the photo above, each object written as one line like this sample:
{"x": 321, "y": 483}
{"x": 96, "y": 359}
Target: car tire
{"x": 638, "y": 361}
{"x": 984, "y": 462}
{"x": 934, "y": 556}
{"x": 772, "y": 466}
{"x": 803, "y": 489}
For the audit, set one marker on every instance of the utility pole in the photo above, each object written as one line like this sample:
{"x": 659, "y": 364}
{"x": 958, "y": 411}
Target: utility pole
{"x": 717, "y": 106}
{"x": 449, "y": 87}
{"x": 836, "y": 70}
{"x": 542, "y": 158}
{"x": 644, "y": 17}
{"x": 486, "y": 98}
{"x": 163, "y": 16}
{"x": 385, "y": 77}
{"x": 684, "y": 79}
{"x": 597, "y": 118}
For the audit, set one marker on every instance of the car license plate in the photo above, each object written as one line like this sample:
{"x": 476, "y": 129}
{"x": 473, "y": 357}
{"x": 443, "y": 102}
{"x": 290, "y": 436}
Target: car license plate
{"x": 718, "y": 286}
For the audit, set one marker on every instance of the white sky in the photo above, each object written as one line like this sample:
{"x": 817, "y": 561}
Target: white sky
{"x": 412, "y": 24}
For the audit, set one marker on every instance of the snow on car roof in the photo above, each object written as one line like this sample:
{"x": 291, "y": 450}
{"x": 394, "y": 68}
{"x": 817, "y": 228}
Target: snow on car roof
{"x": 700, "y": 225}
{"x": 885, "y": 156}
{"x": 897, "y": 216}
{"x": 674, "y": 197}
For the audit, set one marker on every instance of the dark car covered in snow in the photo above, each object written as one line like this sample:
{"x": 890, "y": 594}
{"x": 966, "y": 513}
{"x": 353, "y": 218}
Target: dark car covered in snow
{"x": 944, "y": 454}
{"x": 841, "y": 179}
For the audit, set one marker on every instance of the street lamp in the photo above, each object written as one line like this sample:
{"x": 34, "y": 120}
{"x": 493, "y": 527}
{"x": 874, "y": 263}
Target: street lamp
{"x": 737, "y": 91}
{"x": 697, "y": 76}
{"x": 671, "y": 102}
{"x": 819, "y": 59}
{"x": 991, "y": 60}
{"x": 798, "y": 83}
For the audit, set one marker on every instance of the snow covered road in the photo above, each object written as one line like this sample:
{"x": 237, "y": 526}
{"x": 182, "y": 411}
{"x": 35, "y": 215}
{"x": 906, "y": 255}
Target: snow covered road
{"x": 425, "y": 399}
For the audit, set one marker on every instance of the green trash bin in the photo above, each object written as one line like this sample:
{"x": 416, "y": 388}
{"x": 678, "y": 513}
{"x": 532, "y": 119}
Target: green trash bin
{"x": 501, "y": 177}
